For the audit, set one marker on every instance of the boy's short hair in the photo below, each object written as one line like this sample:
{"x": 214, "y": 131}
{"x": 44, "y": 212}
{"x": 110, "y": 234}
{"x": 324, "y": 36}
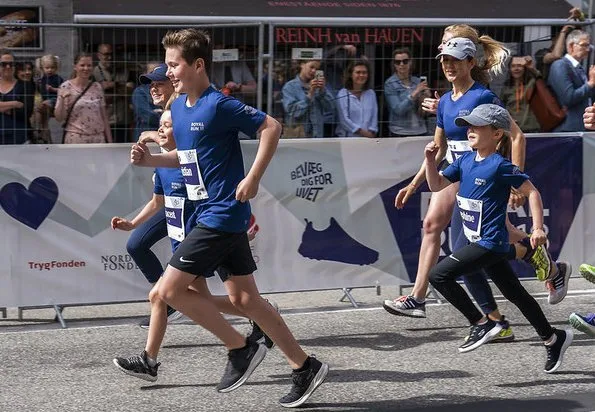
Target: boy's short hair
{"x": 193, "y": 44}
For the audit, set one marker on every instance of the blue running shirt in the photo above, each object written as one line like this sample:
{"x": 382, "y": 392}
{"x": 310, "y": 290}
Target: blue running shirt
{"x": 483, "y": 196}
{"x": 449, "y": 110}
{"x": 210, "y": 156}
{"x": 179, "y": 211}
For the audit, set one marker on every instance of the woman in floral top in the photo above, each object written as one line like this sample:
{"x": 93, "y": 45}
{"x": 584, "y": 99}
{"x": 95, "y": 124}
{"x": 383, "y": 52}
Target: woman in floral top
{"x": 88, "y": 121}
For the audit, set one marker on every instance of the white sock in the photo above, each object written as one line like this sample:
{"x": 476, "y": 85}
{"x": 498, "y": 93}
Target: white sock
{"x": 552, "y": 340}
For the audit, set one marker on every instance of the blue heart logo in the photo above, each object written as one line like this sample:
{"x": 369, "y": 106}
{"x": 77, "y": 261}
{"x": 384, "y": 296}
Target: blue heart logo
{"x": 30, "y": 206}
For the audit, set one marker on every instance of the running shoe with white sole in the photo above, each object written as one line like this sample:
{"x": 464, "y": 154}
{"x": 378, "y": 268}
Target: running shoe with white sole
{"x": 555, "y": 352}
{"x": 480, "y": 334}
{"x": 405, "y": 306}
{"x": 585, "y": 324}
{"x": 558, "y": 285}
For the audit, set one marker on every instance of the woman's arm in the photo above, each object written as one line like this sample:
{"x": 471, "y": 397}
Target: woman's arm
{"x": 344, "y": 115}
{"x": 405, "y": 193}
{"x": 296, "y": 103}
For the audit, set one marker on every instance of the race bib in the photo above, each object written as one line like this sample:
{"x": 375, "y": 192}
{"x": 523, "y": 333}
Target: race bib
{"x": 471, "y": 213}
{"x": 456, "y": 149}
{"x": 192, "y": 177}
{"x": 174, "y": 215}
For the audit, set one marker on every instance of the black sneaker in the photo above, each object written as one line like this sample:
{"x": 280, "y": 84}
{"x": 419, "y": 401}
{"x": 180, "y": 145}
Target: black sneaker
{"x": 480, "y": 334}
{"x": 555, "y": 352}
{"x": 257, "y": 334}
{"x": 172, "y": 316}
{"x": 240, "y": 365}
{"x": 138, "y": 367}
{"x": 305, "y": 383}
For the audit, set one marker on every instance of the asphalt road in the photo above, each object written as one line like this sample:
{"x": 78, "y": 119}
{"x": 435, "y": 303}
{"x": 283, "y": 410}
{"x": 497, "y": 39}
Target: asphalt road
{"x": 378, "y": 362}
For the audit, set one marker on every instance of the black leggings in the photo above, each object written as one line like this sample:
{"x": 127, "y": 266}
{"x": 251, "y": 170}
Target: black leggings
{"x": 472, "y": 258}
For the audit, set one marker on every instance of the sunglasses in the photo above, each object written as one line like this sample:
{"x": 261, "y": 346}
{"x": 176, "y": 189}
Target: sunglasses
{"x": 404, "y": 61}
{"x": 6, "y": 64}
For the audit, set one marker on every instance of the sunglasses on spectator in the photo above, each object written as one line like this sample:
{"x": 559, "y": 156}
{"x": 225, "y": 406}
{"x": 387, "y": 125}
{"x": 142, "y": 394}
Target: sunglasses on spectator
{"x": 6, "y": 64}
{"x": 404, "y": 61}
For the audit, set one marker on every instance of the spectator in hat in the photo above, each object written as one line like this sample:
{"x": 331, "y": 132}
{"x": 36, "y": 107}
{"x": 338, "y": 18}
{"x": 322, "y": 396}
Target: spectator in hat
{"x": 146, "y": 114}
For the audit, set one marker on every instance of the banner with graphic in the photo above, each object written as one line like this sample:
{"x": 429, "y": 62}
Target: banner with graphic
{"x": 324, "y": 216}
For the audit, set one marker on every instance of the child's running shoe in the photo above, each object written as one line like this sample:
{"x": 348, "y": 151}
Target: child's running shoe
{"x": 585, "y": 324}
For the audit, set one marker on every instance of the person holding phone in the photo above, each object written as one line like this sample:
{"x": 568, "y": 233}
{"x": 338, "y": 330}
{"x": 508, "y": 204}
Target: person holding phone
{"x": 404, "y": 94}
{"x": 305, "y": 100}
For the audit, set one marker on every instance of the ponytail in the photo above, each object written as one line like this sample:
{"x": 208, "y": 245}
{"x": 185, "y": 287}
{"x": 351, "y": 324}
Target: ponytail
{"x": 495, "y": 55}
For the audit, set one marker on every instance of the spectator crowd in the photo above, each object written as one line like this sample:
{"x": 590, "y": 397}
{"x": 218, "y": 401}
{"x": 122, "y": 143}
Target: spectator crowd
{"x": 329, "y": 97}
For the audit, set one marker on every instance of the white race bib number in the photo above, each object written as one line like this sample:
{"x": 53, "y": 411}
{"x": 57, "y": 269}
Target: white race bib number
{"x": 471, "y": 212}
{"x": 456, "y": 149}
{"x": 174, "y": 215}
{"x": 192, "y": 177}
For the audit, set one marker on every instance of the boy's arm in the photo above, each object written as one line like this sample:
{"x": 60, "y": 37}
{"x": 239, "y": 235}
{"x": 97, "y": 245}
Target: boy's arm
{"x": 140, "y": 155}
{"x": 270, "y": 131}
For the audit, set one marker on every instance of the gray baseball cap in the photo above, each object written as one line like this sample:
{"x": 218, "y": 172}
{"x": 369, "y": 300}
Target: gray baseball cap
{"x": 458, "y": 47}
{"x": 486, "y": 115}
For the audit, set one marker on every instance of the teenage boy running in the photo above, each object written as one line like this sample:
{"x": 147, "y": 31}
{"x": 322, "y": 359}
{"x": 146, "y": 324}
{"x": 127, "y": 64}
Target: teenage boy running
{"x": 206, "y": 125}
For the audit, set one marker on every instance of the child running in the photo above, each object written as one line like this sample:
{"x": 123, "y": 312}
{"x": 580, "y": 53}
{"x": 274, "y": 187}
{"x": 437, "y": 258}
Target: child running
{"x": 169, "y": 193}
{"x": 486, "y": 177}
{"x": 206, "y": 125}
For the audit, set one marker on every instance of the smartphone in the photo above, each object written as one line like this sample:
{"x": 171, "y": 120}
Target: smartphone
{"x": 423, "y": 79}
{"x": 319, "y": 75}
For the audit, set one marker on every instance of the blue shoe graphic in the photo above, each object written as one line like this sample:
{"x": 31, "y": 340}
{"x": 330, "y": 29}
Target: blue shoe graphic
{"x": 334, "y": 244}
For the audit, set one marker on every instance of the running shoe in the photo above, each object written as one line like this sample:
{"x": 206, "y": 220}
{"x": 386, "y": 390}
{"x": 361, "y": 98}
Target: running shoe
{"x": 506, "y": 334}
{"x": 588, "y": 272}
{"x": 240, "y": 365}
{"x": 542, "y": 262}
{"x": 138, "y": 367}
{"x": 480, "y": 334}
{"x": 558, "y": 285}
{"x": 585, "y": 324}
{"x": 257, "y": 334}
{"x": 405, "y": 306}
{"x": 555, "y": 352}
{"x": 305, "y": 383}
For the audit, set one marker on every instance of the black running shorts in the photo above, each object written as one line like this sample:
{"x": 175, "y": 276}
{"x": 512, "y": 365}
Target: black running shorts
{"x": 205, "y": 249}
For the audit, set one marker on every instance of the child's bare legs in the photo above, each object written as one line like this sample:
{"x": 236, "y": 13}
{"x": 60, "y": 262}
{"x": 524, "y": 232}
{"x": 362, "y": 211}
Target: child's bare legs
{"x": 244, "y": 295}
{"x": 158, "y": 323}
{"x": 173, "y": 289}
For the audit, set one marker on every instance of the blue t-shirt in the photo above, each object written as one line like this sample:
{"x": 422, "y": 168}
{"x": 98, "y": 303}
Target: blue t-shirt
{"x": 449, "y": 110}
{"x": 483, "y": 196}
{"x": 55, "y": 81}
{"x": 169, "y": 182}
{"x": 210, "y": 156}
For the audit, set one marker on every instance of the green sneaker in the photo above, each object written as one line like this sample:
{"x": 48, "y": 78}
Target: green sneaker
{"x": 505, "y": 335}
{"x": 542, "y": 262}
{"x": 588, "y": 272}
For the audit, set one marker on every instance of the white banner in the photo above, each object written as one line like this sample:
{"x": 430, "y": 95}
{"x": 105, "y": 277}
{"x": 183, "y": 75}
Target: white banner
{"x": 319, "y": 216}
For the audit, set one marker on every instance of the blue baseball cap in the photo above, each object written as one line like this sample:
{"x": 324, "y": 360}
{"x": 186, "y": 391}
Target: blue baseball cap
{"x": 156, "y": 75}
{"x": 486, "y": 115}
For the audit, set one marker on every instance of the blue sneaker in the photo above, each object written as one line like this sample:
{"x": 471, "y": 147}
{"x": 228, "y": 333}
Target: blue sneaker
{"x": 585, "y": 324}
